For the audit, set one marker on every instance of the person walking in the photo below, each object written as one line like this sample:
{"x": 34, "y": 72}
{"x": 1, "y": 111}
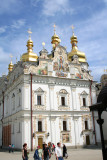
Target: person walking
{"x": 46, "y": 153}
{"x": 44, "y": 145}
{"x": 58, "y": 152}
{"x": 36, "y": 154}
{"x": 64, "y": 151}
{"x": 10, "y": 148}
{"x": 24, "y": 152}
{"x": 40, "y": 153}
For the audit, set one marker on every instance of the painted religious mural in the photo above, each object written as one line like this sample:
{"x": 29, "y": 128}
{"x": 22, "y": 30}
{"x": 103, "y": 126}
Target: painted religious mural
{"x": 60, "y": 67}
{"x": 77, "y": 74}
{"x": 43, "y": 70}
{"x": 65, "y": 138}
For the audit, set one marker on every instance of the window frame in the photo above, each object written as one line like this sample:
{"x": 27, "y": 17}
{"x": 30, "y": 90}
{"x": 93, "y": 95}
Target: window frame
{"x": 63, "y": 101}
{"x": 65, "y": 126}
{"x": 86, "y": 125}
{"x": 84, "y": 101}
{"x": 39, "y": 101}
{"x": 40, "y": 125}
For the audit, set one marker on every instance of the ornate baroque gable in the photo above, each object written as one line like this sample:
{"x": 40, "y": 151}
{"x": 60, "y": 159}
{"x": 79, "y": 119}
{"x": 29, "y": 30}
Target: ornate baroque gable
{"x": 39, "y": 90}
{"x": 63, "y": 91}
{"x": 84, "y": 93}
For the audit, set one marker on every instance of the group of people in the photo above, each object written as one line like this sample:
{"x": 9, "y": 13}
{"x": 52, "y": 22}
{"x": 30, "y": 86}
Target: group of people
{"x": 11, "y": 148}
{"x": 46, "y": 152}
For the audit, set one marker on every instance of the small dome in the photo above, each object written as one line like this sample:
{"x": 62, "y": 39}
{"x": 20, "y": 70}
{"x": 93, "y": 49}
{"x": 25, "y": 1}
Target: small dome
{"x": 10, "y": 67}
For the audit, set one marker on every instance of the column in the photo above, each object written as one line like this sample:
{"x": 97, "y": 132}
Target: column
{"x": 51, "y": 97}
{"x": 73, "y": 93}
{"x": 76, "y": 132}
{"x": 53, "y": 130}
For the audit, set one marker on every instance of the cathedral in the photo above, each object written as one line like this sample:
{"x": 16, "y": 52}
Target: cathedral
{"x": 45, "y": 98}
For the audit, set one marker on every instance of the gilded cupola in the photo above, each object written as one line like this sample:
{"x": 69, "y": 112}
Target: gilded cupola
{"x": 55, "y": 39}
{"x": 10, "y": 66}
{"x": 29, "y": 56}
{"x": 75, "y": 51}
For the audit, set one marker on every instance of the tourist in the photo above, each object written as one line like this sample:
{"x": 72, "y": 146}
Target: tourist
{"x": 58, "y": 152}
{"x": 36, "y": 154}
{"x": 43, "y": 145}
{"x": 50, "y": 147}
{"x": 53, "y": 147}
{"x": 64, "y": 151}
{"x": 40, "y": 153}
{"x": 9, "y": 148}
{"x": 46, "y": 153}
{"x": 24, "y": 152}
{"x": 12, "y": 147}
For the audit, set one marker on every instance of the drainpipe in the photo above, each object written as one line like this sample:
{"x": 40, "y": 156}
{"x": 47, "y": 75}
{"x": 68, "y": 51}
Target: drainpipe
{"x": 31, "y": 117}
{"x": 2, "y": 116}
{"x": 93, "y": 112}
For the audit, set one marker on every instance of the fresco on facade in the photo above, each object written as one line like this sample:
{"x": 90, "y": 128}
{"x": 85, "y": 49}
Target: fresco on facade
{"x": 77, "y": 74}
{"x": 65, "y": 138}
{"x": 55, "y": 66}
{"x": 43, "y": 70}
{"x": 60, "y": 67}
{"x": 66, "y": 67}
{"x": 61, "y": 74}
{"x": 61, "y": 63}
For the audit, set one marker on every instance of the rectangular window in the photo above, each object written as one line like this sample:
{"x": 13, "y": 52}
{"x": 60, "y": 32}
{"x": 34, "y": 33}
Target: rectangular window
{"x": 39, "y": 100}
{"x": 86, "y": 125}
{"x": 84, "y": 101}
{"x": 64, "y": 126}
{"x": 63, "y": 101}
{"x": 39, "y": 126}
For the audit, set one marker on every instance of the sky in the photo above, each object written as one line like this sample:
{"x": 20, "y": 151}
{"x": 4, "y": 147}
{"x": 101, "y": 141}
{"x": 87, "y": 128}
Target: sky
{"x": 89, "y": 18}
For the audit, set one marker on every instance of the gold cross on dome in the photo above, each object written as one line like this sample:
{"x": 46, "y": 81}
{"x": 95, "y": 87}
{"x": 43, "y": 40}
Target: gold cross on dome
{"x": 72, "y": 28}
{"x": 11, "y": 56}
{"x": 29, "y": 32}
{"x": 54, "y": 28}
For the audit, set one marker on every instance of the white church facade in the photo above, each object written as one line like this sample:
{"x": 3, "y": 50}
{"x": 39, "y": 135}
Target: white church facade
{"x": 45, "y": 99}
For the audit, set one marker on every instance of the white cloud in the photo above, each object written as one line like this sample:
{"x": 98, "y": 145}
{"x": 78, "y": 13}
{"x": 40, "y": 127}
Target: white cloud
{"x": 10, "y": 6}
{"x": 51, "y": 7}
{"x": 34, "y": 2}
{"x": 4, "y": 56}
{"x": 105, "y": 1}
{"x": 18, "y": 24}
{"x": 3, "y": 29}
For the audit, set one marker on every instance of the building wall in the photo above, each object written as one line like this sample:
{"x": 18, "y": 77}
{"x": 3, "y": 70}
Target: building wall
{"x": 51, "y": 112}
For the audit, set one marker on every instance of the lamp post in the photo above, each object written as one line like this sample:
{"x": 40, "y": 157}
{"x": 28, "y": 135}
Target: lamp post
{"x": 101, "y": 106}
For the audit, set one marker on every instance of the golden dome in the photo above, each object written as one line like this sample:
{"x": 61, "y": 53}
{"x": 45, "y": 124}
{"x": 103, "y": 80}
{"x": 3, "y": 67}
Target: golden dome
{"x": 75, "y": 51}
{"x": 55, "y": 39}
{"x": 10, "y": 67}
{"x": 29, "y": 56}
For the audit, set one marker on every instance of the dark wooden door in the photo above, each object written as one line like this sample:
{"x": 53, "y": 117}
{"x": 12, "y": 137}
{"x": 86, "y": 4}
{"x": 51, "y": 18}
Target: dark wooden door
{"x": 40, "y": 142}
{"x": 87, "y": 140}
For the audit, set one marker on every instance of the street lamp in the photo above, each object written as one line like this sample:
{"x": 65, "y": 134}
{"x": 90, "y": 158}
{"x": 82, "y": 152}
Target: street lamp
{"x": 101, "y": 106}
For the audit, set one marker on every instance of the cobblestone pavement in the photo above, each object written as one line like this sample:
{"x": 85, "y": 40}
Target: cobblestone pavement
{"x": 74, "y": 154}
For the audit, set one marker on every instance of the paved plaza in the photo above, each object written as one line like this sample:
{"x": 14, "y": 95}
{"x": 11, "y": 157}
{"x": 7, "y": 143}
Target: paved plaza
{"x": 74, "y": 154}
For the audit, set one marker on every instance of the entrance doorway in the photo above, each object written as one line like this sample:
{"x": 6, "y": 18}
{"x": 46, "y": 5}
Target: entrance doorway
{"x": 87, "y": 140}
{"x": 40, "y": 142}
